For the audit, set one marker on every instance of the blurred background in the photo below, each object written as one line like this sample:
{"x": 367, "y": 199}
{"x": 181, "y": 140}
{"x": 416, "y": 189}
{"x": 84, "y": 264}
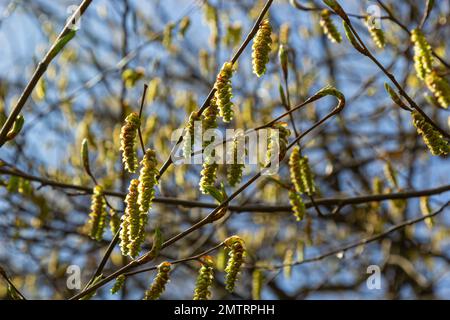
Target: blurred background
{"x": 177, "y": 48}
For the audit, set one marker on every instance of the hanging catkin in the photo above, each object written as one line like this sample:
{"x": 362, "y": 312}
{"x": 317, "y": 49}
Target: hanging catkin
{"x": 278, "y": 141}
{"x": 189, "y": 136}
{"x": 423, "y": 58}
{"x": 301, "y": 174}
{"x": 130, "y": 221}
{"x": 204, "y": 280}
{"x": 224, "y": 92}
{"x": 440, "y": 88}
{"x": 257, "y": 283}
{"x": 128, "y": 136}
{"x": 159, "y": 283}
{"x": 329, "y": 28}
{"x": 377, "y": 34}
{"x": 97, "y": 217}
{"x": 120, "y": 281}
{"x": 147, "y": 181}
{"x": 261, "y": 48}
{"x": 297, "y": 204}
{"x": 234, "y": 170}
{"x": 235, "y": 260}
{"x": 432, "y": 138}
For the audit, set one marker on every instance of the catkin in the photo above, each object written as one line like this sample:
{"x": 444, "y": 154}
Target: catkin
{"x": 224, "y": 92}
{"x": 147, "y": 181}
{"x": 189, "y": 137}
{"x": 440, "y": 88}
{"x": 297, "y": 204}
{"x": 120, "y": 281}
{"x": 204, "y": 280}
{"x": 432, "y": 138}
{"x": 128, "y": 136}
{"x": 377, "y": 34}
{"x": 97, "y": 217}
{"x": 208, "y": 176}
{"x": 159, "y": 283}
{"x": 235, "y": 260}
{"x": 261, "y": 48}
{"x": 329, "y": 28}
{"x": 277, "y": 146}
{"x": 235, "y": 169}
{"x": 257, "y": 283}
{"x": 423, "y": 58}
{"x": 295, "y": 170}
{"x": 307, "y": 176}
{"x": 131, "y": 222}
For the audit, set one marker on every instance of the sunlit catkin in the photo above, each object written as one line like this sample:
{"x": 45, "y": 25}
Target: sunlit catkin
{"x": 295, "y": 170}
{"x": 257, "y": 283}
{"x": 376, "y": 33}
{"x": 423, "y": 58}
{"x": 204, "y": 280}
{"x": 130, "y": 221}
{"x": 432, "y": 138}
{"x": 235, "y": 169}
{"x": 278, "y": 141}
{"x": 120, "y": 281}
{"x": 297, "y": 204}
{"x": 261, "y": 48}
{"x": 159, "y": 283}
{"x": 235, "y": 260}
{"x": 147, "y": 181}
{"x": 224, "y": 92}
{"x": 97, "y": 217}
{"x": 189, "y": 137}
{"x": 328, "y": 26}
{"x": 440, "y": 88}
{"x": 128, "y": 136}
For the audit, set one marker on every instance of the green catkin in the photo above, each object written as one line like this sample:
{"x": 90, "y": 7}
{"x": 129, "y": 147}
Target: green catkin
{"x": 235, "y": 169}
{"x": 329, "y": 28}
{"x": 224, "y": 92}
{"x": 377, "y": 34}
{"x": 307, "y": 176}
{"x": 432, "y": 138}
{"x": 120, "y": 281}
{"x": 440, "y": 88}
{"x": 204, "y": 280}
{"x": 262, "y": 44}
{"x": 288, "y": 261}
{"x": 97, "y": 217}
{"x": 423, "y": 58}
{"x": 297, "y": 204}
{"x": 131, "y": 221}
{"x": 295, "y": 170}
{"x": 114, "y": 221}
{"x": 236, "y": 258}
{"x": 391, "y": 174}
{"x": 148, "y": 181}
{"x": 257, "y": 283}
{"x": 159, "y": 283}
{"x": 128, "y": 136}
{"x": 123, "y": 236}
{"x": 280, "y": 144}
{"x": 189, "y": 138}
{"x": 208, "y": 175}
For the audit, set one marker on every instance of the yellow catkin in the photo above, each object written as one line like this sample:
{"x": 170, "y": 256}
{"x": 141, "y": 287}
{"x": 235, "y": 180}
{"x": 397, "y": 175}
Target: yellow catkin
{"x": 425, "y": 208}
{"x": 224, "y": 92}
{"x": 159, "y": 283}
{"x": 377, "y": 34}
{"x": 295, "y": 170}
{"x": 235, "y": 260}
{"x": 257, "y": 283}
{"x": 329, "y": 28}
{"x": 97, "y": 217}
{"x": 288, "y": 261}
{"x": 297, "y": 204}
{"x": 130, "y": 221}
{"x": 120, "y": 281}
{"x": 114, "y": 221}
{"x": 204, "y": 280}
{"x": 128, "y": 136}
{"x": 432, "y": 138}
{"x": 277, "y": 146}
{"x": 423, "y": 58}
{"x": 235, "y": 169}
{"x": 440, "y": 88}
{"x": 261, "y": 48}
{"x": 147, "y": 180}
{"x": 189, "y": 137}
{"x": 307, "y": 176}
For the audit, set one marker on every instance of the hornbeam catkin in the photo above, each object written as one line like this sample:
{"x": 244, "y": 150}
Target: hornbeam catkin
{"x": 204, "y": 280}
{"x": 440, "y": 88}
{"x": 130, "y": 221}
{"x": 120, "y": 281}
{"x": 159, "y": 283}
{"x": 262, "y": 44}
{"x": 432, "y": 138}
{"x": 147, "y": 181}
{"x": 277, "y": 146}
{"x": 224, "y": 92}
{"x": 236, "y": 258}
{"x": 307, "y": 176}
{"x": 297, "y": 204}
{"x": 423, "y": 58}
{"x": 257, "y": 283}
{"x": 329, "y": 28}
{"x": 128, "y": 136}
{"x": 377, "y": 34}
{"x": 189, "y": 138}
{"x": 295, "y": 170}
{"x": 97, "y": 217}
{"x": 234, "y": 170}
{"x": 208, "y": 176}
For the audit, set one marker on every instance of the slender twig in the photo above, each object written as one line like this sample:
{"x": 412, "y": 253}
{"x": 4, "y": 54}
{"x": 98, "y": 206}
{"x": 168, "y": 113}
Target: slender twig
{"x": 144, "y": 94}
{"x": 40, "y": 71}
{"x": 10, "y": 283}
